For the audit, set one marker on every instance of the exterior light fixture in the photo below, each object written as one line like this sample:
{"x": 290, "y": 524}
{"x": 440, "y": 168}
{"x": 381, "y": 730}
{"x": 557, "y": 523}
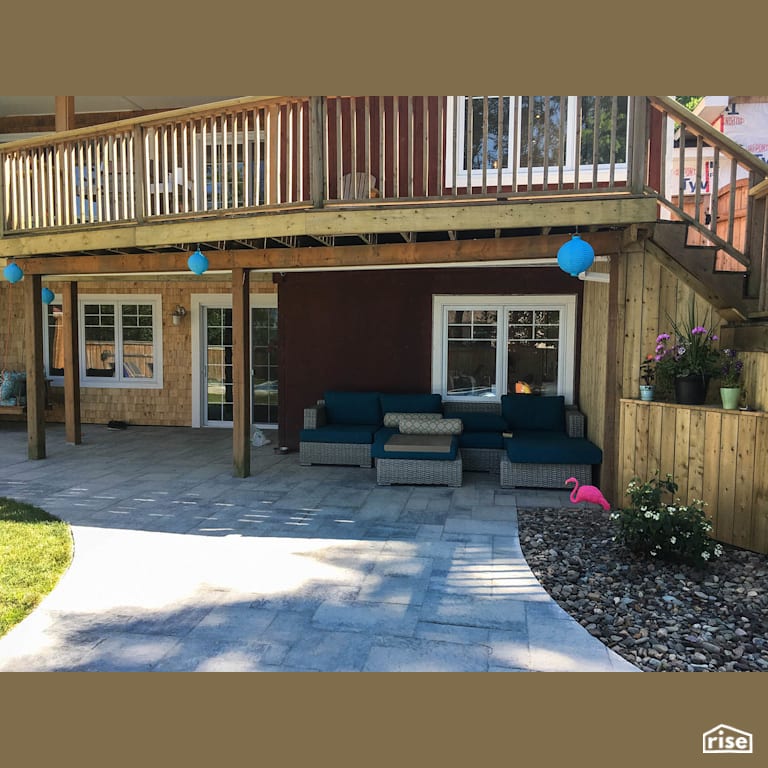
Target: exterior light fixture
{"x": 178, "y": 314}
{"x": 197, "y": 262}
{"x": 12, "y": 273}
{"x": 575, "y": 256}
{"x": 48, "y": 295}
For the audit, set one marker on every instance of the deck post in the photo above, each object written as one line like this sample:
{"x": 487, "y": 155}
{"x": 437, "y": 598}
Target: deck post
{"x": 241, "y": 380}
{"x": 316, "y": 151}
{"x": 71, "y": 366}
{"x": 33, "y": 340}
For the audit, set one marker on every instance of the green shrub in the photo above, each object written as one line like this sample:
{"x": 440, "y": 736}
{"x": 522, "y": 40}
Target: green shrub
{"x": 668, "y": 530}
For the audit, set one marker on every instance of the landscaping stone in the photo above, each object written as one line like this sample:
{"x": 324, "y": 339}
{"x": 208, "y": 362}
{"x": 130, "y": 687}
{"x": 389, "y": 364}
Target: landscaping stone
{"x": 659, "y": 616}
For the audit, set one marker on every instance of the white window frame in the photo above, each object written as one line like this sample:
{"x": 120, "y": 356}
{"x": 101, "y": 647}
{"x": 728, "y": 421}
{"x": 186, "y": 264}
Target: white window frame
{"x": 566, "y": 367}
{"x": 456, "y": 146}
{"x": 120, "y": 381}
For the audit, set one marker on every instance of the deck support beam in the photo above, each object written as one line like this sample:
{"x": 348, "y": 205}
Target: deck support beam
{"x": 71, "y": 366}
{"x": 241, "y": 345}
{"x": 33, "y": 340}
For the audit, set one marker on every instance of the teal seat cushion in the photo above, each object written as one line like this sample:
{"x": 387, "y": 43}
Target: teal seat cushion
{"x": 551, "y": 448}
{"x": 359, "y": 434}
{"x": 481, "y": 440}
{"x": 534, "y": 411}
{"x": 352, "y": 407}
{"x": 480, "y": 422}
{"x": 411, "y": 403}
{"x": 380, "y": 440}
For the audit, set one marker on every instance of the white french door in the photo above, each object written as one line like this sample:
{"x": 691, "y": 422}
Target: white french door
{"x": 213, "y": 394}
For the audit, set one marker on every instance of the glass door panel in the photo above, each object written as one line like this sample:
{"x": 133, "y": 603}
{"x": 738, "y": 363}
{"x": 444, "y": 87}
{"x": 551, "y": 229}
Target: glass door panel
{"x": 218, "y": 390}
{"x": 264, "y": 365}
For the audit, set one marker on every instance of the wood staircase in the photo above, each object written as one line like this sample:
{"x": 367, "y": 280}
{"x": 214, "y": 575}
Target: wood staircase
{"x": 695, "y": 266}
{"x": 746, "y": 327}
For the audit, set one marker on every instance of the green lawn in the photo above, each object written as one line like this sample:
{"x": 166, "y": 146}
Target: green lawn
{"x": 35, "y": 550}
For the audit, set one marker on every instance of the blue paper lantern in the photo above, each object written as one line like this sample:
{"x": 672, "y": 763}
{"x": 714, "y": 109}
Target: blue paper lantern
{"x": 575, "y": 256}
{"x": 48, "y": 295}
{"x": 12, "y": 273}
{"x": 197, "y": 262}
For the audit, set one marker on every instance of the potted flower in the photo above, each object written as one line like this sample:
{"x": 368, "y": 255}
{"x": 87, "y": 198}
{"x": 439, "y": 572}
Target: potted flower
{"x": 730, "y": 378}
{"x": 647, "y": 377}
{"x": 686, "y": 359}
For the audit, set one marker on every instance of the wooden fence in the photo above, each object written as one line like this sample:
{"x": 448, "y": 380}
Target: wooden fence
{"x": 714, "y": 455}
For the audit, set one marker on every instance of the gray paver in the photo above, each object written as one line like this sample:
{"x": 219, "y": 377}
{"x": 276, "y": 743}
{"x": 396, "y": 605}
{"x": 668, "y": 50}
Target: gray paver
{"x": 181, "y": 567}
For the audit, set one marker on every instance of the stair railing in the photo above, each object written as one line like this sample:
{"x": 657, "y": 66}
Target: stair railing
{"x": 709, "y": 188}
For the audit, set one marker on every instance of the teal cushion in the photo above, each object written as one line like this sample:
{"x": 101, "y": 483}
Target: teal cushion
{"x": 413, "y": 403}
{"x": 551, "y": 448}
{"x": 481, "y": 440}
{"x": 352, "y": 407}
{"x": 534, "y": 412}
{"x": 358, "y": 434}
{"x": 480, "y": 422}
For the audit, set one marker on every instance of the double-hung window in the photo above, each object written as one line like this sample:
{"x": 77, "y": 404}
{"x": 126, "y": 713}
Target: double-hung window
{"x": 509, "y": 140}
{"x": 120, "y": 341}
{"x": 487, "y": 346}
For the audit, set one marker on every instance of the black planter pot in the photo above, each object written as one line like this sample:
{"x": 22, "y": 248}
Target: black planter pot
{"x": 691, "y": 390}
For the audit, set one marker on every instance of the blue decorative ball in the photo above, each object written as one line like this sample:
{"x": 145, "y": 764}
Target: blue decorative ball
{"x": 197, "y": 262}
{"x": 48, "y": 295}
{"x": 575, "y": 256}
{"x": 12, "y": 273}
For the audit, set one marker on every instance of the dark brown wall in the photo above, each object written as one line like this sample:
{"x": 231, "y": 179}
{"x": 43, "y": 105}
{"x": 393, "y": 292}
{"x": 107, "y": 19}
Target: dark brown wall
{"x": 372, "y": 330}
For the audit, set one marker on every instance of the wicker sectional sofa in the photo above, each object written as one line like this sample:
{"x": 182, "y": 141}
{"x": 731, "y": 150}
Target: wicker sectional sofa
{"x": 357, "y": 428}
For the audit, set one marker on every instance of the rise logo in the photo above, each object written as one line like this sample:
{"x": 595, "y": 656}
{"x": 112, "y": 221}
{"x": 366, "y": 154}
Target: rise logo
{"x": 726, "y": 740}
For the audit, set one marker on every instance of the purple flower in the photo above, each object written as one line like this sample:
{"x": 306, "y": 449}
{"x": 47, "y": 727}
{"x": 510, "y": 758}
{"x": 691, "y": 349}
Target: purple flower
{"x": 697, "y": 330}
{"x": 662, "y": 337}
{"x": 714, "y": 337}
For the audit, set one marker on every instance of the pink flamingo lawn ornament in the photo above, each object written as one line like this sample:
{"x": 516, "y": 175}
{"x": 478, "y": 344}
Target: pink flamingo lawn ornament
{"x": 588, "y": 493}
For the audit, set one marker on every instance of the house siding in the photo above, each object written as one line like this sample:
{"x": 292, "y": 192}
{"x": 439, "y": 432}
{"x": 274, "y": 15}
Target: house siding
{"x": 169, "y": 406}
{"x": 372, "y": 330}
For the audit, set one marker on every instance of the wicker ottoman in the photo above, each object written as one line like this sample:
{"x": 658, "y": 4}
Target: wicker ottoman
{"x": 419, "y": 471}
{"x": 422, "y": 469}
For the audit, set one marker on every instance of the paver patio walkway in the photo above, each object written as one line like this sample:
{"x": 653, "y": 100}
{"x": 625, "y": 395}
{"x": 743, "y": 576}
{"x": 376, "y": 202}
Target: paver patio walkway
{"x": 179, "y": 566}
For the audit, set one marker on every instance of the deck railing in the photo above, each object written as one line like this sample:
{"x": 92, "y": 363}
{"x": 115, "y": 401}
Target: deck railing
{"x": 254, "y": 154}
{"x": 248, "y": 155}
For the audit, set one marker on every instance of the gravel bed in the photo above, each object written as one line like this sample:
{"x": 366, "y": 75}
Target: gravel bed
{"x": 662, "y": 617}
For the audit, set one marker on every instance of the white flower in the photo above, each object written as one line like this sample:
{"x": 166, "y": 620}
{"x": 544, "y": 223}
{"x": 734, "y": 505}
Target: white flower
{"x": 672, "y": 540}
{"x": 705, "y": 555}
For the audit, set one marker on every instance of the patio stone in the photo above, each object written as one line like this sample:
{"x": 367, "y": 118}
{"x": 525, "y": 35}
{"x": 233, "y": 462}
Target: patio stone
{"x": 181, "y": 567}
{"x": 420, "y": 655}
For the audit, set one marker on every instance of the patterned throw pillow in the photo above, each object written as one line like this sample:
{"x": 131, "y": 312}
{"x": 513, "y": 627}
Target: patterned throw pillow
{"x": 410, "y": 426}
{"x": 393, "y": 419}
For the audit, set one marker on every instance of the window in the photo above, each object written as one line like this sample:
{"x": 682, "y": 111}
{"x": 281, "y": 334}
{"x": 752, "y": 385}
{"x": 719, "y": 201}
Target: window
{"x": 514, "y": 134}
{"x": 119, "y": 344}
{"x": 485, "y": 346}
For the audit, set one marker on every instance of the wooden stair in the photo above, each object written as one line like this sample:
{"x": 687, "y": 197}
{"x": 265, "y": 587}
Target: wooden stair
{"x": 694, "y": 265}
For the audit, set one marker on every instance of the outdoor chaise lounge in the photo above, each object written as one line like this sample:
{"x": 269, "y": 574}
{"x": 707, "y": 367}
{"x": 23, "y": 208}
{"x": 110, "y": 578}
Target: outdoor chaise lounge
{"x": 548, "y": 444}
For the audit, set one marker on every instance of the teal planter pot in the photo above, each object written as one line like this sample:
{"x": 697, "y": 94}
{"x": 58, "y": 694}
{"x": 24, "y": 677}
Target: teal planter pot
{"x": 646, "y": 392}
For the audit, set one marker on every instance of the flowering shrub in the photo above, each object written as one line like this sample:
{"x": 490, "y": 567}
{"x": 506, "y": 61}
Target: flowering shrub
{"x": 731, "y": 368}
{"x": 666, "y": 530}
